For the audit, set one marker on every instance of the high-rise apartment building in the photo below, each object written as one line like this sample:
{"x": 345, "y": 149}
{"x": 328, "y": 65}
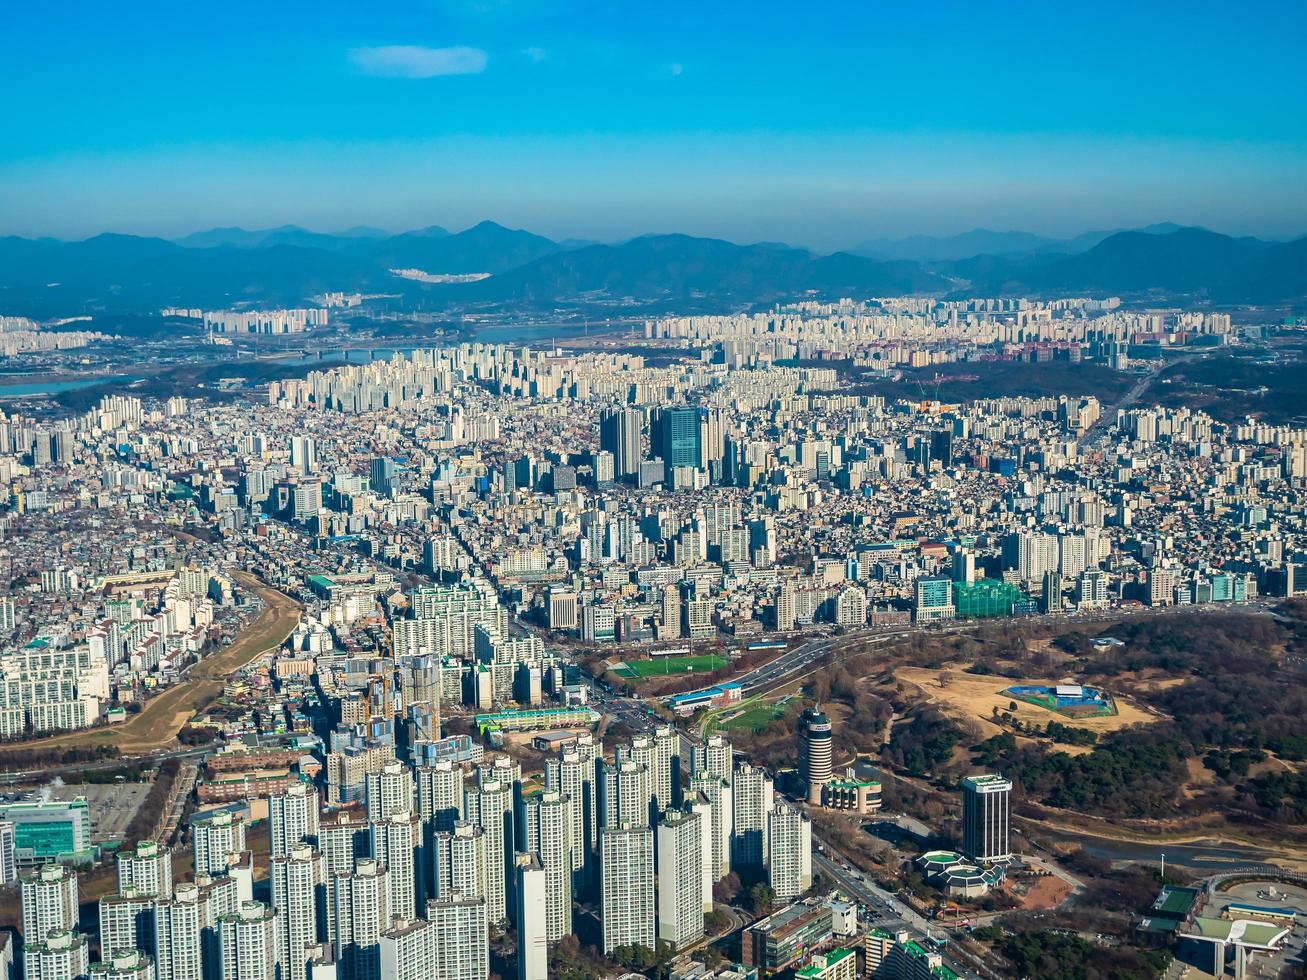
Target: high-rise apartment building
{"x": 293, "y": 818}
{"x": 532, "y": 928}
{"x": 462, "y": 938}
{"x": 753, "y": 801}
{"x": 789, "y": 847}
{"x": 298, "y": 891}
{"x": 547, "y": 825}
{"x": 680, "y": 855}
{"x": 619, "y": 434}
{"x": 50, "y": 902}
{"x": 147, "y": 868}
{"x": 215, "y": 840}
{"x": 626, "y": 867}
{"x": 248, "y": 943}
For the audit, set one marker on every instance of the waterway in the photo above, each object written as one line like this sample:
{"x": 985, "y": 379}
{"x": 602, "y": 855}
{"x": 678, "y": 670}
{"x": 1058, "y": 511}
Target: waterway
{"x": 55, "y": 386}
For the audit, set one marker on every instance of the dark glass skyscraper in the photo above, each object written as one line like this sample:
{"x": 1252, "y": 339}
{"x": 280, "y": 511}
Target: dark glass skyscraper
{"x": 682, "y": 437}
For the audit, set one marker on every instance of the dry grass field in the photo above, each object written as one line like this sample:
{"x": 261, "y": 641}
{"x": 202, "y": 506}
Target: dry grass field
{"x": 975, "y": 696}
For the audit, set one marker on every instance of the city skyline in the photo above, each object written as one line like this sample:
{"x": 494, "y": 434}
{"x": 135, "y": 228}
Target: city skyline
{"x": 601, "y": 122}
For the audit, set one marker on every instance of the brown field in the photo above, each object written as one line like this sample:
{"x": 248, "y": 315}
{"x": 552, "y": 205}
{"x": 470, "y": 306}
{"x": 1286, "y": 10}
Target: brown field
{"x": 164, "y": 716}
{"x": 974, "y": 697}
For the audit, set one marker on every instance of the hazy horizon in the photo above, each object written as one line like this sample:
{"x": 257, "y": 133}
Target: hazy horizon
{"x": 595, "y": 120}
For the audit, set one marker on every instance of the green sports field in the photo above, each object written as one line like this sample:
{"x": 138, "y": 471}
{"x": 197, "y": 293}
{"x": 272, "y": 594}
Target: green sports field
{"x": 671, "y": 665}
{"x": 753, "y": 719}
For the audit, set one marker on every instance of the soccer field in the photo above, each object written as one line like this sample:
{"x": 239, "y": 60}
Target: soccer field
{"x": 659, "y": 666}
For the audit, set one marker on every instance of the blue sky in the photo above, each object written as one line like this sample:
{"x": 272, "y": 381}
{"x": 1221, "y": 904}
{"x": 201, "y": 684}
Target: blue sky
{"x": 822, "y": 124}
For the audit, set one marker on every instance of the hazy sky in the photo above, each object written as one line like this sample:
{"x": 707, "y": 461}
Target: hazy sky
{"x": 822, "y": 123}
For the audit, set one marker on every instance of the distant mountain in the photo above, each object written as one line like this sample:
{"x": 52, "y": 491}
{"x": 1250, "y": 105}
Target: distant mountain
{"x": 1182, "y": 262}
{"x": 285, "y": 235}
{"x": 129, "y": 274}
{"x": 929, "y": 248}
{"x": 982, "y": 242}
{"x": 486, "y": 247}
{"x": 668, "y": 267}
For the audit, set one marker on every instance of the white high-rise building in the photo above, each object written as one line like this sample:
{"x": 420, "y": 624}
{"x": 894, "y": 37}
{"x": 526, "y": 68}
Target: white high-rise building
{"x": 297, "y": 879}
{"x": 574, "y": 778}
{"x": 63, "y": 955}
{"x": 680, "y": 878}
{"x": 716, "y": 793}
{"x": 248, "y": 943}
{"x": 126, "y": 921}
{"x": 293, "y": 818}
{"x": 440, "y": 794}
{"x": 626, "y": 867}
{"x": 186, "y": 929}
{"x": 49, "y": 902}
{"x": 8, "y": 860}
{"x": 459, "y": 862}
{"x": 626, "y": 793}
{"x": 547, "y": 819}
{"x": 304, "y": 454}
{"x": 462, "y": 938}
{"x": 532, "y": 927}
{"x": 124, "y": 964}
{"x": 789, "y": 846}
{"x": 408, "y": 950}
{"x": 148, "y": 869}
{"x": 753, "y": 801}
{"x": 214, "y": 840}
{"x": 389, "y": 791}
{"x": 394, "y": 843}
{"x": 715, "y": 756}
{"x": 361, "y": 914}
{"x": 489, "y": 806}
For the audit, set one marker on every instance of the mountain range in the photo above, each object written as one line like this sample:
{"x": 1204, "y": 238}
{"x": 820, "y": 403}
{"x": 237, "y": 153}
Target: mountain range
{"x": 226, "y": 266}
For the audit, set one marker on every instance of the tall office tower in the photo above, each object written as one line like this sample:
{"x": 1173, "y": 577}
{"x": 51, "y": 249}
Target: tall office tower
{"x": 299, "y": 881}
{"x": 186, "y": 929}
{"x": 626, "y": 868}
{"x": 49, "y": 902}
{"x": 680, "y": 878}
{"x": 395, "y": 842}
{"x": 389, "y": 791}
{"x": 440, "y": 794}
{"x": 127, "y": 920}
{"x": 62, "y": 955}
{"x": 484, "y": 806}
{"x": 532, "y": 929}
{"x": 619, "y": 434}
{"x": 625, "y": 793}
{"x": 547, "y": 833}
{"x": 986, "y": 816}
{"x": 462, "y": 937}
{"x": 682, "y": 437}
{"x": 715, "y": 756}
{"x": 814, "y": 752}
{"x": 569, "y": 775}
{"x": 214, "y": 839}
{"x": 125, "y": 964}
{"x": 361, "y": 914}
{"x": 293, "y": 818}
{"x": 148, "y": 869}
{"x": 408, "y": 950}
{"x": 964, "y": 566}
{"x": 248, "y": 943}
{"x": 789, "y": 846}
{"x": 303, "y": 454}
{"x": 717, "y": 794}
{"x": 753, "y": 800}
{"x": 382, "y": 475}
{"x": 1051, "y": 600}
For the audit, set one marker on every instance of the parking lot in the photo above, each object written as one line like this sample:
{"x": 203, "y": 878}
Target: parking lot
{"x": 112, "y": 805}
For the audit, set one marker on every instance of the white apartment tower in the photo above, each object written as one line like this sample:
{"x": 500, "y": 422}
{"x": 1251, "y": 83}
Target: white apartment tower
{"x": 548, "y": 835}
{"x": 248, "y": 943}
{"x": 789, "y": 845}
{"x": 680, "y": 878}
{"x": 297, "y": 880}
{"x": 293, "y": 818}
{"x": 49, "y": 902}
{"x": 626, "y": 866}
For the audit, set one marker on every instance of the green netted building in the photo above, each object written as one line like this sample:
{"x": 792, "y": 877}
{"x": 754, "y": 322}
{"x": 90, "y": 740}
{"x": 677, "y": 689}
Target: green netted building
{"x": 986, "y": 598}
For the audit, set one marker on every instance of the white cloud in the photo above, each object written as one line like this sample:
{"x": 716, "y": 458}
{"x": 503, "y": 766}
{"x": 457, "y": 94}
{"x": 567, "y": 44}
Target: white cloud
{"x": 536, "y": 54}
{"x": 414, "y": 61}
